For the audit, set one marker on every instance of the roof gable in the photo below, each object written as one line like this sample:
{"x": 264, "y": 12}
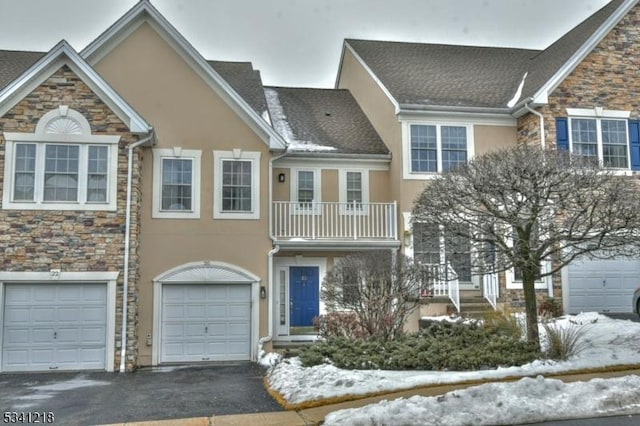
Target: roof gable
{"x": 143, "y": 12}
{"x": 60, "y": 55}
{"x": 551, "y": 66}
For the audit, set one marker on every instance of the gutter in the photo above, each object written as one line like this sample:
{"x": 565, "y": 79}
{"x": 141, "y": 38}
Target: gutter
{"x": 272, "y": 252}
{"x": 541, "y": 117}
{"x": 127, "y": 246}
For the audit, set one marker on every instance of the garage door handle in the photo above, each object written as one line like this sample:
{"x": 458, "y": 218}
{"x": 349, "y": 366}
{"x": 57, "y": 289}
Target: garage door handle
{"x": 55, "y": 334}
{"x": 206, "y": 329}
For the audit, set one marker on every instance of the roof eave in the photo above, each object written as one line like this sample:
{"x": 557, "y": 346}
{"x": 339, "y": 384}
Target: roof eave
{"x": 413, "y": 108}
{"x": 338, "y": 155}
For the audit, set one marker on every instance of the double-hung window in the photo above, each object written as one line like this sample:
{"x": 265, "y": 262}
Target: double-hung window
{"x": 176, "y": 183}
{"x": 354, "y": 190}
{"x": 607, "y": 137}
{"x": 236, "y": 184}
{"x": 442, "y": 248}
{"x": 62, "y": 166}
{"x": 604, "y": 140}
{"x": 435, "y": 148}
{"x": 305, "y": 190}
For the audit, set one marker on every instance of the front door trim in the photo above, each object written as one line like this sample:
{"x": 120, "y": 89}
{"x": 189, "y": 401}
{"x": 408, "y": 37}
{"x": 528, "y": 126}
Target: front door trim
{"x": 284, "y": 263}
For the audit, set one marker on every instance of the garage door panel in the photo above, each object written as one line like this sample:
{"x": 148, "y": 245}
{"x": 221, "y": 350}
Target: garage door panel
{"x": 208, "y": 315}
{"x": 238, "y": 329}
{"x": 16, "y": 336}
{"x": 217, "y": 311}
{"x": 41, "y": 314}
{"x": 43, "y": 294}
{"x": 173, "y": 312}
{"x": 196, "y": 311}
{"x": 236, "y": 310}
{"x": 192, "y": 330}
{"x": 93, "y": 335}
{"x": 602, "y": 285}
{"x": 16, "y": 315}
{"x": 54, "y": 326}
{"x": 217, "y": 330}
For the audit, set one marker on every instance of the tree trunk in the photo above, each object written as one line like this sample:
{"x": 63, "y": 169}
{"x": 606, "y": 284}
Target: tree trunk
{"x": 531, "y": 309}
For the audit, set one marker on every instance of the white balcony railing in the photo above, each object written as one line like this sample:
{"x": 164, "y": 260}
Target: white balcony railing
{"x": 334, "y": 221}
{"x": 490, "y": 288}
{"x": 442, "y": 281}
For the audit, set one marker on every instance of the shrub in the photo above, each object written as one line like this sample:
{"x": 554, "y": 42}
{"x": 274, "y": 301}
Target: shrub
{"x": 339, "y": 324}
{"x": 503, "y": 322}
{"x": 550, "y": 308}
{"x": 439, "y": 346}
{"x": 563, "y": 342}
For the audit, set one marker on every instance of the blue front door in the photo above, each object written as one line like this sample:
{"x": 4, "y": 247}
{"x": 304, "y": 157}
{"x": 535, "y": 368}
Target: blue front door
{"x": 304, "y": 289}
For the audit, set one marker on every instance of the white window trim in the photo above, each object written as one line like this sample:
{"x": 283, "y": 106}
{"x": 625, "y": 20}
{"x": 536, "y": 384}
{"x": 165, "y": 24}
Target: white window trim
{"x": 317, "y": 190}
{"x": 407, "y": 174}
{"x": 342, "y": 192}
{"x": 541, "y": 284}
{"x": 513, "y": 284}
{"x": 176, "y": 153}
{"x": 236, "y": 154}
{"x": 49, "y": 132}
{"x": 598, "y": 114}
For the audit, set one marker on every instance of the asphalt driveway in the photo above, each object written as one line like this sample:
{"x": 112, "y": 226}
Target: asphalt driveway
{"x": 89, "y": 398}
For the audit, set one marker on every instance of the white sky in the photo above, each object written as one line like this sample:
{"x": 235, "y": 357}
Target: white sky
{"x": 298, "y": 42}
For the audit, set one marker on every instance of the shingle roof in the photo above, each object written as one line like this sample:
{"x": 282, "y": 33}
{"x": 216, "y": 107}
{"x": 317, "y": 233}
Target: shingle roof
{"x": 244, "y": 80}
{"x": 544, "y": 65}
{"x": 445, "y": 75}
{"x": 15, "y": 62}
{"x": 322, "y": 120}
{"x": 431, "y": 75}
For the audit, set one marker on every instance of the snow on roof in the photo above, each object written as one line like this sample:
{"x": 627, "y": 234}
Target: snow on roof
{"x": 282, "y": 126}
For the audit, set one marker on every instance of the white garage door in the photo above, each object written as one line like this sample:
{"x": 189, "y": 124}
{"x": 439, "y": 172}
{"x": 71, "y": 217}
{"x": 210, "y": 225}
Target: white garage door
{"x": 209, "y": 322}
{"x": 603, "y": 285}
{"x": 54, "y": 327}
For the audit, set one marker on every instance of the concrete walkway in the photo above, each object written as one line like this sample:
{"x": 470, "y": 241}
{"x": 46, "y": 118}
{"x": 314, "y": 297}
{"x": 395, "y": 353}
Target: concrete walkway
{"x": 315, "y": 416}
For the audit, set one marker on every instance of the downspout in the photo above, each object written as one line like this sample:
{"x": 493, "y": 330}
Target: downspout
{"x": 271, "y": 253}
{"x": 127, "y": 244}
{"x": 541, "y": 117}
{"x": 544, "y": 145}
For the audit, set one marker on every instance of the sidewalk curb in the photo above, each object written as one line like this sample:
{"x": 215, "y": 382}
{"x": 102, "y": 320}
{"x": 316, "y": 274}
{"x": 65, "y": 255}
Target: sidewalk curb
{"x": 633, "y": 368}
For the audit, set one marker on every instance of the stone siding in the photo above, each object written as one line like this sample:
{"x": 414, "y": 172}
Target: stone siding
{"x": 606, "y": 78}
{"x": 74, "y": 241}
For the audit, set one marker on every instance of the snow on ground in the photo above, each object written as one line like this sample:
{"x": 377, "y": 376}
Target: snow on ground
{"x": 525, "y": 401}
{"x": 607, "y": 342}
{"x": 43, "y": 392}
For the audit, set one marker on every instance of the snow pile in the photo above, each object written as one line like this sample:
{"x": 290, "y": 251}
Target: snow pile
{"x": 607, "y": 342}
{"x": 526, "y": 401}
{"x": 282, "y": 126}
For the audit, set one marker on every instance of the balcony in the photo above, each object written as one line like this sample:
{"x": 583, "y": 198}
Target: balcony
{"x": 330, "y": 225}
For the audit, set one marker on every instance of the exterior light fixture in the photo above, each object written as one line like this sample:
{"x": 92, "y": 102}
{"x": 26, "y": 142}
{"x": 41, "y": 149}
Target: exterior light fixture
{"x": 281, "y": 177}
{"x": 263, "y": 292}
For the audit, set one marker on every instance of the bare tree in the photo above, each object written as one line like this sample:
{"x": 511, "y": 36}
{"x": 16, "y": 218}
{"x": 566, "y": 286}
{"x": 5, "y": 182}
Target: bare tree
{"x": 524, "y": 206}
{"x": 381, "y": 287}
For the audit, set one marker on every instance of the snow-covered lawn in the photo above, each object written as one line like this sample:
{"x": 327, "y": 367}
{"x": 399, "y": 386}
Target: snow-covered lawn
{"x": 529, "y": 400}
{"x": 608, "y": 342}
